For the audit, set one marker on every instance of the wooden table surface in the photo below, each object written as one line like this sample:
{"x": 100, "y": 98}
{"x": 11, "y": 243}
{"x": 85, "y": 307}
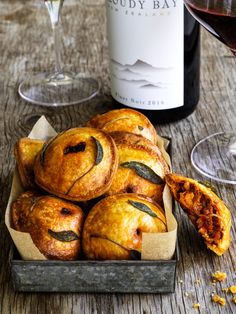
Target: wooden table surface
{"x": 25, "y": 48}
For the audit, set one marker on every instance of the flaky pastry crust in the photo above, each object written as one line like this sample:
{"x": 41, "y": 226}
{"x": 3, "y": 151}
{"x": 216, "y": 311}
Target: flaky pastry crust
{"x": 55, "y": 225}
{"x": 113, "y": 228}
{"x": 137, "y": 151}
{"x": 20, "y": 210}
{"x": 78, "y": 164}
{"x": 25, "y": 151}
{"x": 127, "y": 120}
{"x": 205, "y": 209}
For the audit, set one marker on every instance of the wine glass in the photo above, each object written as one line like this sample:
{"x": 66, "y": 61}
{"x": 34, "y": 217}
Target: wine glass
{"x": 60, "y": 87}
{"x": 215, "y": 155}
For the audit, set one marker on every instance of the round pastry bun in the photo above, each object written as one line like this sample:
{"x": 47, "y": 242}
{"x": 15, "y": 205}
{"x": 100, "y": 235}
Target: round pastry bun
{"x": 78, "y": 164}
{"x": 114, "y": 226}
{"x": 127, "y": 120}
{"x": 55, "y": 225}
{"x": 141, "y": 169}
{"x": 25, "y": 151}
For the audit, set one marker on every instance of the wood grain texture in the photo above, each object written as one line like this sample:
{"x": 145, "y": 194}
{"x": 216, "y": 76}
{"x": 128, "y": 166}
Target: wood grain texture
{"x": 25, "y": 48}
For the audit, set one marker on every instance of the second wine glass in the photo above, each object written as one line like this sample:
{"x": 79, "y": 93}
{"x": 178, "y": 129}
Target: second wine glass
{"x": 215, "y": 155}
{"x": 60, "y": 87}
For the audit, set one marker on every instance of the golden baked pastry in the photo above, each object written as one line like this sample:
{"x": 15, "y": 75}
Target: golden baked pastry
{"x": 78, "y": 164}
{"x": 126, "y": 120}
{"x": 205, "y": 209}
{"x": 114, "y": 226}
{"x": 142, "y": 167}
{"x": 25, "y": 152}
{"x": 218, "y": 276}
{"x": 55, "y": 225}
{"x": 20, "y": 210}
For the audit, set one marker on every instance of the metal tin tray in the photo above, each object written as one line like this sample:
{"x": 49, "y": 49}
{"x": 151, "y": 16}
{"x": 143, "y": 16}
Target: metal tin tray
{"x": 93, "y": 276}
{"x": 137, "y": 276}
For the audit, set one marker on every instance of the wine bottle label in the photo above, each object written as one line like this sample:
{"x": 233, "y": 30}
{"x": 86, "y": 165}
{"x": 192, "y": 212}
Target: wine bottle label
{"x": 146, "y": 45}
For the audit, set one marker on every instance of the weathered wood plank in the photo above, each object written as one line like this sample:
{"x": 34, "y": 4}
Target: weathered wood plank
{"x": 25, "y": 48}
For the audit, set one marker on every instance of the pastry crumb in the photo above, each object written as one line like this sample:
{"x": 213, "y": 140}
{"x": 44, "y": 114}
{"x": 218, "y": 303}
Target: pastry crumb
{"x": 225, "y": 290}
{"x": 196, "y": 305}
{"x": 232, "y": 289}
{"x": 217, "y": 299}
{"x": 198, "y": 281}
{"x": 181, "y": 281}
{"x": 219, "y": 276}
{"x": 234, "y": 300}
{"x": 186, "y": 294}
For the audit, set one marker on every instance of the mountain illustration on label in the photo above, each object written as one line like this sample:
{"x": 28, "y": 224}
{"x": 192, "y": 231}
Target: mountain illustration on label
{"x": 142, "y": 75}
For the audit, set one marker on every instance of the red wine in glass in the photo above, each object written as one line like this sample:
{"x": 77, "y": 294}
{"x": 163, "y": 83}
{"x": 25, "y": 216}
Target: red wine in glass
{"x": 215, "y": 155}
{"x": 217, "y": 18}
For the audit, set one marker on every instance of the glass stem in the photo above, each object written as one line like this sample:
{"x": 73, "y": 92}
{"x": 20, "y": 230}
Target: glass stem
{"x": 58, "y": 67}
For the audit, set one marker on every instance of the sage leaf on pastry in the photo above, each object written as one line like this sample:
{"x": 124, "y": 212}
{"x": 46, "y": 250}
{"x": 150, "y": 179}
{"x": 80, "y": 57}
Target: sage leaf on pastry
{"x": 144, "y": 208}
{"x": 64, "y": 236}
{"x": 135, "y": 255}
{"x": 143, "y": 171}
{"x": 99, "y": 151}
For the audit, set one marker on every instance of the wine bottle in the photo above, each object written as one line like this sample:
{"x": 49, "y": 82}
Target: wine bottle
{"x": 154, "y": 49}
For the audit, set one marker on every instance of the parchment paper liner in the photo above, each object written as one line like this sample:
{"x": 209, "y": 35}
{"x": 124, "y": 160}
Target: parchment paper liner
{"x": 155, "y": 246}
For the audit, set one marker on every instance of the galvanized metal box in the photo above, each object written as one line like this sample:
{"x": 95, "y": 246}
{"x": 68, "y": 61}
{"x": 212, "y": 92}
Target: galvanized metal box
{"x": 94, "y": 276}
{"x": 137, "y": 276}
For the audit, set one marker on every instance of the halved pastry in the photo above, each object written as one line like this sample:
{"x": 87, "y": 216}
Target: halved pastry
{"x": 205, "y": 209}
{"x": 78, "y": 164}
{"x": 114, "y": 226}
{"x": 142, "y": 167}
{"x": 55, "y": 225}
{"x": 126, "y": 120}
{"x": 25, "y": 152}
